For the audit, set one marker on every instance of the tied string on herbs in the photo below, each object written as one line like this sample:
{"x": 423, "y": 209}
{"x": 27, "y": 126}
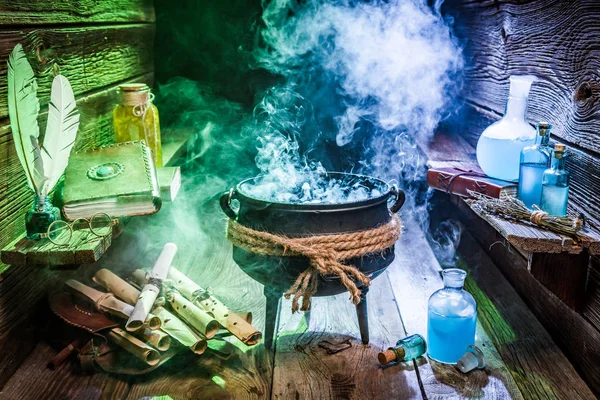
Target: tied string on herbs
{"x": 509, "y": 207}
{"x": 324, "y": 252}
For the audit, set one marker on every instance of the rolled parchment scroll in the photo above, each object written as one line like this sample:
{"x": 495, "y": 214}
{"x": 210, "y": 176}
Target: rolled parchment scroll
{"x": 196, "y": 317}
{"x": 152, "y": 288}
{"x": 234, "y": 323}
{"x": 157, "y": 339}
{"x": 106, "y": 302}
{"x": 171, "y": 324}
{"x": 180, "y": 331}
{"x": 135, "y": 346}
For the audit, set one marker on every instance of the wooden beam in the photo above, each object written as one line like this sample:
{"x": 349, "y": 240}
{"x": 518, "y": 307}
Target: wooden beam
{"x": 33, "y": 12}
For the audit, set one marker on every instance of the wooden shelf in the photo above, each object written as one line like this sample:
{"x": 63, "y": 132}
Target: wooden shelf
{"x": 87, "y": 248}
{"x": 448, "y": 150}
{"x": 84, "y": 248}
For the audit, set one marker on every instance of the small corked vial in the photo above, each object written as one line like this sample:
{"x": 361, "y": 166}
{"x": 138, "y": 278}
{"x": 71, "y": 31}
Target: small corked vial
{"x": 406, "y": 349}
{"x": 559, "y": 150}
{"x": 136, "y": 118}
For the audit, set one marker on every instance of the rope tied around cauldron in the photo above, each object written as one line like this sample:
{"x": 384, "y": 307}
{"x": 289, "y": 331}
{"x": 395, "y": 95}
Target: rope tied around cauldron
{"x": 325, "y": 253}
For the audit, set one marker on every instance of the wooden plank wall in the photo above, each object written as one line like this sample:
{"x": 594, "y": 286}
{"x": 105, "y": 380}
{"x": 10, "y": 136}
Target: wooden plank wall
{"x": 558, "y": 42}
{"x": 97, "y": 45}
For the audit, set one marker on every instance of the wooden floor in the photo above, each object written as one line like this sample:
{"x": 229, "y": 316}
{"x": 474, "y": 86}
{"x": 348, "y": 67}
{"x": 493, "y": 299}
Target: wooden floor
{"x": 523, "y": 362}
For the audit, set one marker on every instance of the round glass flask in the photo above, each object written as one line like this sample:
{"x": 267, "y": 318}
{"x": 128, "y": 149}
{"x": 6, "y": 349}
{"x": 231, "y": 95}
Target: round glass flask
{"x": 451, "y": 319}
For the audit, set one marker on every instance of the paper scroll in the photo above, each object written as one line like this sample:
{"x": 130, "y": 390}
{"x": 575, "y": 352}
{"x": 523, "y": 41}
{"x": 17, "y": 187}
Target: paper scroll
{"x": 150, "y": 291}
{"x": 180, "y": 331}
{"x": 237, "y": 325}
{"x": 106, "y": 302}
{"x": 196, "y": 317}
{"x": 170, "y": 323}
{"x": 135, "y": 346}
{"x": 157, "y": 339}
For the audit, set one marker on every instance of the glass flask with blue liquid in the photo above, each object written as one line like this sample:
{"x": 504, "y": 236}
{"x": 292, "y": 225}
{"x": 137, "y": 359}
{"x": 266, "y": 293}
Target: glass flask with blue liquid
{"x": 451, "y": 319}
{"x": 534, "y": 161}
{"x": 499, "y": 147}
{"x": 555, "y": 184}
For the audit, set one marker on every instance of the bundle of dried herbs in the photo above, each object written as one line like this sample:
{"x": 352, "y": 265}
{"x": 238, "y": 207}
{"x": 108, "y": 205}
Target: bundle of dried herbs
{"x": 511, "y": 208}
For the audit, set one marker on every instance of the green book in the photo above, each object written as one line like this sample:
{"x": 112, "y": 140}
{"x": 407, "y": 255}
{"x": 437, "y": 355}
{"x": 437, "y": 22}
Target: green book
{"x": 119, "y": 180}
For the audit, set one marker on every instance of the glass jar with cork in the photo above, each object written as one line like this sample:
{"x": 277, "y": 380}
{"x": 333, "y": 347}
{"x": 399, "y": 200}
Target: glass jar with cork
{"x": 136, "y": 118}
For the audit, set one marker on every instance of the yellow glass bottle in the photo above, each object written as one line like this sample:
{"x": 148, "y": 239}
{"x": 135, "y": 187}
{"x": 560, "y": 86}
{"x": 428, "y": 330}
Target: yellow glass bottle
{"x": 136, "y": 118}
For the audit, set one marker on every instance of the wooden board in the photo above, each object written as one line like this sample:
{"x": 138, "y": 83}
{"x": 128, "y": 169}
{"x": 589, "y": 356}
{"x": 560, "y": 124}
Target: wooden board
{"x": 92, "y": 57}
{"x": 556, "y": 41}
{"x": 83, "y": 248}
{"x": 20, "y": 292}
{"x": 575, "y": 335}
{"x": 304, "y": 370}
{"x": 591, "y": 307}
{"x": 34, "y": 12}
{"x": 34, "y": 381}
{"x": 414, "y": 276}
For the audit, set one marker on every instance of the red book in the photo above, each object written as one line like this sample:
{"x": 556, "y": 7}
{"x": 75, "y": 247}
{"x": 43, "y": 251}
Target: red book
{"x": 458, "y": 181}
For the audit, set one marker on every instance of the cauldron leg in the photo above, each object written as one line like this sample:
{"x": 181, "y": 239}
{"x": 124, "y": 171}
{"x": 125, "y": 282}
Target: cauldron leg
{"x": 363, "y": 316}
{"x": 272, "y": 306}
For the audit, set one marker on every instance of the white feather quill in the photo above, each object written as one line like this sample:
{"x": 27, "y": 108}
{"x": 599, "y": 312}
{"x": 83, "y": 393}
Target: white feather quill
{"x": 61, "y": 131}
{"x": 23, "y": 110}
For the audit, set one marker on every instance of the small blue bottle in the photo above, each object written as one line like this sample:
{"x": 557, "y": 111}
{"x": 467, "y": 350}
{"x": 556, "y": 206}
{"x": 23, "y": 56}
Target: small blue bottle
{"x": 451, "y": 319}
{"x": 555, "y": 184}
{"x": 534, "y": 161}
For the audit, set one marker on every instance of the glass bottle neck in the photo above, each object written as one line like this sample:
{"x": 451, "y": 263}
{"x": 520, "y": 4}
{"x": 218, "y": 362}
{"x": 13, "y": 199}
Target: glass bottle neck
{"x": 558, "y": 163}
{"x": 545, "y": 140}
{"x": 515, "y": 108}
{"x": 41, "y": 203}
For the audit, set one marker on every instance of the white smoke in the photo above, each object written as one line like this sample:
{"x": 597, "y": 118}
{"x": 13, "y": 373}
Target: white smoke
{"x": 394, "y": 61}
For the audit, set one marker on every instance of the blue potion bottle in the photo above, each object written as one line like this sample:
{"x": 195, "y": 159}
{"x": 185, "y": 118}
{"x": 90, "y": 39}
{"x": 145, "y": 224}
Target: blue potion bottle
{"x": 555, "y": 184}
{"x": 451, "y": 319}
{"x": 534, "y": 161}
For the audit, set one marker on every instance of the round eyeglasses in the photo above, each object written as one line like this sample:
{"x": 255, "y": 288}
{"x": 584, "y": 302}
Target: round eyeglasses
{"x": 61, "y": 232}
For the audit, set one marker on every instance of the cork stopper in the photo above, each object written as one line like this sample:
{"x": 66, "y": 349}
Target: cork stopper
{"x": 391, "y": 355}
{"x": 560, "y": 147}
{"x": 543, "y": 127}
{"x": 134, "y": 94}
{"x": 386, "y": 357}
{"x": 133, "y": 87}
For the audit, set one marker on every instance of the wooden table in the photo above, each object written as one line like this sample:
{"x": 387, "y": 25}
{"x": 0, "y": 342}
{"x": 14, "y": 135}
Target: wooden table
{"x": 523, "y": 362}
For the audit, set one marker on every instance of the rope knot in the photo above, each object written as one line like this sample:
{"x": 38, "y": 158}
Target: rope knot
{"x": 325, "y": 253}
{"x": 536, "y": 216}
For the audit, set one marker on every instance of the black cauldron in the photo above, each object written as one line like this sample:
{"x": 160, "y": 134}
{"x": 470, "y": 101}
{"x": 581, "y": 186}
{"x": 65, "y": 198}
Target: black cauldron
{"x": 277, "y": 274}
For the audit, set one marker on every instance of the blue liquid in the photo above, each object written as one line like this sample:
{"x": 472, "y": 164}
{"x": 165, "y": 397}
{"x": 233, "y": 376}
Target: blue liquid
{"x": 500, "y": 158}
{"x": 530, "y": 184}
{"x": 448, "y": 337}
{"x": 554, "y": 200}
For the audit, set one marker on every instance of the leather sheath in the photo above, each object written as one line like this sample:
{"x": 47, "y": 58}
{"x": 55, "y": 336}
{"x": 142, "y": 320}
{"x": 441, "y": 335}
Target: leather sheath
{"x": 79, "y": 315}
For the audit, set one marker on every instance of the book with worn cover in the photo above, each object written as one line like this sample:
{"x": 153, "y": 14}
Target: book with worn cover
{"x": 119, "y": 180}
{"x": 458, "y": 181}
